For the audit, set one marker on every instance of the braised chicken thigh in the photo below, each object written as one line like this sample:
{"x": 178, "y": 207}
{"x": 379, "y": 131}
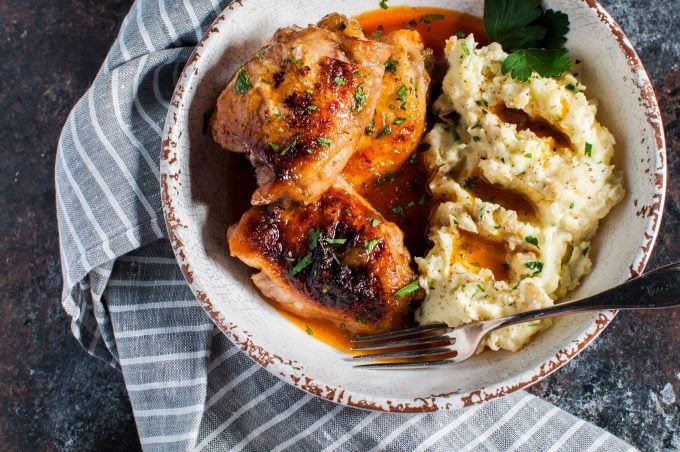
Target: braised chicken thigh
{"x": 395, "y": 130}
{"x": 300, "y": 105}
{"x": 336, "y": 259}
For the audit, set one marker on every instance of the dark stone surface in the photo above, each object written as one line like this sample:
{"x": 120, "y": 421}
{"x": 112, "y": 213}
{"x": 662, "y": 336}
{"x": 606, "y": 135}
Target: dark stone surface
{"x": 54, "y": 397}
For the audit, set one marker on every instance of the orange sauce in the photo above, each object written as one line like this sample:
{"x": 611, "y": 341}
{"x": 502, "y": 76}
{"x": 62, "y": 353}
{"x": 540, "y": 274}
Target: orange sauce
{"x": 322, "y": 330}
{"x": 488, "y": 192}
{"x": 403, "y": 199}
{"x": 435, "y": 25}
{"x": 475, "y": 252}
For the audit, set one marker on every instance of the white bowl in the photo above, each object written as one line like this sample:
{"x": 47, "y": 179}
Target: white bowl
{"x": 202, "y": 196}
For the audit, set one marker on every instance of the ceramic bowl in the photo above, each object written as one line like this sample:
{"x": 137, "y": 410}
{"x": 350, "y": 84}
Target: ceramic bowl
{"x": 203, "y": 193}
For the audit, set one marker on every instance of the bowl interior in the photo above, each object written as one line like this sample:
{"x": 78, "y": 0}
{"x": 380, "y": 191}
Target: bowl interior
{"x": 206, "y": 189}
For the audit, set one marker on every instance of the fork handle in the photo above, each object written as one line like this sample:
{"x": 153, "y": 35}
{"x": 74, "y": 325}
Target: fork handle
{"x": 657, "y": 289}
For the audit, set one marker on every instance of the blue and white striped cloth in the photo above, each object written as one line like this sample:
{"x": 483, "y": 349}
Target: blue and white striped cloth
{"x": 190, "y": 388}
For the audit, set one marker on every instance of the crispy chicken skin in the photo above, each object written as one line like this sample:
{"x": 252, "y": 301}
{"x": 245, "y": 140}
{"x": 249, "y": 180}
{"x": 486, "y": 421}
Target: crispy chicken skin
{"x": 335, "y": 259}
{"x": 299, "y": 106}
{"x": 399, "y": 120}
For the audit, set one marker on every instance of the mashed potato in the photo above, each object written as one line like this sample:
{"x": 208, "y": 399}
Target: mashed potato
{"x": 524, "y": 173}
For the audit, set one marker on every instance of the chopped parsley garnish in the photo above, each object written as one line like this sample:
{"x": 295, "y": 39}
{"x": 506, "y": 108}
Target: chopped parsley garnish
{"x": 407, "y": 289}
{"x": 309, "y": 331}
{"x": 301, "y": 265}
{"x": 325, "y": 142}
{"x": 533, "y": 36}
{"x": 360, "y": 98}
{"x": 422, "y": 200}
{"x": 532, "y": 240}
{"x": 428, "y": 18}
{"x": 384, "y": 132}
{"x": 378, "y": 33}
{"x": 370, "y": 128}
{"x": 528, "y": 155}
{"x": 274, "y": 146}
{"x": 242, "y": 84}
{"x": 359, "y": 319}
{"x": 375, "y": 222}
{"x": 384, "y": 4}
{"x": 399, "y": 210}
{"x": 290, "y": 146}
{"x": 339, "y": 80}
{"x": 402, "y": 93}
{"x": 369, "y": 245}
{"x": 571, "y": 87}
{"x": 314, "y": 235}
{"x": 460, "y": 34}
{"x": 455, "y": 135}
{"x": 589, "y": 149}
{"x": 536, "y": 266}
{"x": 481, "y": 289}
{"x": 295, "y": 61}
{"x": 391, "y": 66}
{"x": 571, "y": 206}
{"x": 585, "y": 251}
{"x": 312, "y": 108}
{"x": 259, "y": 54}
{"x": 410, "y": 24}
{"x": 400, "y": 121}
{"x": 464, "y": 48}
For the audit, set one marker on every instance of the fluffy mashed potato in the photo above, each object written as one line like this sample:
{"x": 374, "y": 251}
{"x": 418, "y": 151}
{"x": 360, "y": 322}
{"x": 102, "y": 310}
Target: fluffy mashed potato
{"x": 524, "y": 173}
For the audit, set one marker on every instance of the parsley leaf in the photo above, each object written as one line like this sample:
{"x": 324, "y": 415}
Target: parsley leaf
{"x": 314, "y": 235}
{"x": 556, "y": 24}
{"x": 536, "y": 266}
{"x": 546, "y": 62}
{"x": 325, "y": 142}
{"x": 533, "y": 36}
{"x": 360, "y": 97}
{"x": 532, "y": 240}
{"x": 242, "y": 84}
{"x": 391, "y": 66}
{"x": 301, "y": 265}
{"x": 371, "y": 244}
{"x": 507, "y": 22}
{"x": 407, "y": 289}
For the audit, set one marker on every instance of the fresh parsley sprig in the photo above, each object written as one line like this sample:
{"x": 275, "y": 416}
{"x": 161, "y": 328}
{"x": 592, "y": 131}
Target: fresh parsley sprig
{"x": 534, "y": 37}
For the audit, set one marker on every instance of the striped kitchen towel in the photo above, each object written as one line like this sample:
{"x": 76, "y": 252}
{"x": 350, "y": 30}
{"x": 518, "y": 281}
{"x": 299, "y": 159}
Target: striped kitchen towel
{"x": 191, "y": 388}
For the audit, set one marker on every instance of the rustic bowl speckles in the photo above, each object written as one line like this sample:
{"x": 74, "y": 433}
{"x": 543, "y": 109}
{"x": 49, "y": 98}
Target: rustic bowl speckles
{"x": 205, "y": 190}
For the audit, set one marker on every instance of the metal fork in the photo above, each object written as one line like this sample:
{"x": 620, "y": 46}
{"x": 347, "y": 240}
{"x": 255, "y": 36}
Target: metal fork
{"x": 438, "y": 344}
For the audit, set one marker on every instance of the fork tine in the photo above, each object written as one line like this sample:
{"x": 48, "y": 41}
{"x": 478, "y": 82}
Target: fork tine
{"x": 404, "y": 343}
{"x": 412, "y": 365}
{"x": 401, "y": 333}
{"x": 418, "y": 353}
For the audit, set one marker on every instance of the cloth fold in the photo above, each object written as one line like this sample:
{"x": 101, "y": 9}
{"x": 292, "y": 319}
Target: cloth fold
{"x": 190, "y": 388}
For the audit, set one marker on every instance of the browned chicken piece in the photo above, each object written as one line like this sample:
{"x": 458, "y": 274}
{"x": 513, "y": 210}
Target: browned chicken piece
{"x": 299, "y": 106}
{"x": 336, "y": 259}
{"x": 342, "y": 24}
{"x": 399, "y": 122}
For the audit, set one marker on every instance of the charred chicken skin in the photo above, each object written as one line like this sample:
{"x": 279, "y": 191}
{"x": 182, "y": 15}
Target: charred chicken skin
{"x": 336, "y": 259}
{"x": 395, "y": 130}
{"x": 300, "y": 105}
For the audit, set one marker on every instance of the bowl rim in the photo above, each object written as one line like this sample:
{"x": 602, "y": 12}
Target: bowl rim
{"x": 275, "y": 364}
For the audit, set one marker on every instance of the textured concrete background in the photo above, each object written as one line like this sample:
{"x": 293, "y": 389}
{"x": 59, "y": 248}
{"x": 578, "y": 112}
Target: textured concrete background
{"x": 53, "y": 396}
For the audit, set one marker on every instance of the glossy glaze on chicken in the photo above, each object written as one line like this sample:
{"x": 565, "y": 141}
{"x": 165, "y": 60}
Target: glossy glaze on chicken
{"x": 304, "y": 106}
{"x": 336, "y": 259}
{"x": 299, "y": 106}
